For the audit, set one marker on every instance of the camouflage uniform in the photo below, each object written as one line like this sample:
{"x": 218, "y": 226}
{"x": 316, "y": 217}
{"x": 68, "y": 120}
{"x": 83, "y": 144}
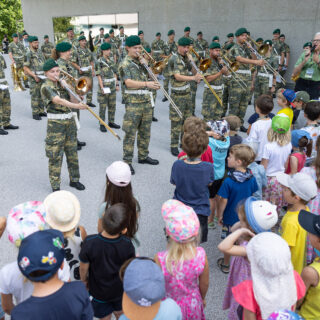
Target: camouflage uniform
{"x": 114, "y": 45}
{"x": 46, "y": 49}
{"x": 201, "y": 47}
{"x": 113, "y": 52}
{"x": 145, "y": 44}
{"x": 170, "y": 47}
{"x": 182, "y": 98}
{"x": 138, "y": 116}
{"x": 107, "y": 70}
{"x": 34, "y": 61}
{"x": 98, "y": 40}
{"x": 226, "y": 92}
{"x": 193, "y": 86}
{"x": 83, "y": 58}
{"x": 5, "y": 102}
{"x": 211, "y": 109}
{"x": 225, "y": 45}
{"x": 278, "y": 48}
{"x": 286, "y": 51}
{"x": 239, "y": 97}
{"x": 263, "y": 81}
{"x": 192, "y": 40}
{"x": 121, "y": 39}
{"x": 157, "y": 48}
{"x": 18, "y": 53}
{"x": 61, "y": 135}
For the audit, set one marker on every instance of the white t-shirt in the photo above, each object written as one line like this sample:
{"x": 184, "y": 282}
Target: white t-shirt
{"x": 259, "y": 133}
{"x": 277, "y": 157}
{"x": 314, "y": 131}
{"x": 13, "y": 282}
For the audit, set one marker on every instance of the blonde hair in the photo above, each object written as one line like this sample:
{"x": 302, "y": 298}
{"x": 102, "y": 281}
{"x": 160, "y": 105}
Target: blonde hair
{"x": 282, "y": 97}
{"x": 281, "y": 138}
{"x": 177, "y": 253}
{"x": 69, "y": 234}
{"x": 244, "y": 153}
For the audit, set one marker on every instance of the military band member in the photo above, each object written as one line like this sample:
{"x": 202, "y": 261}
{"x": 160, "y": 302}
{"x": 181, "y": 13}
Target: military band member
{"x": 47, "y": 47}
{"x": 157, "y": 48}
{"x": 169, "y": 48}
{"x": 201, "y": 46}
{"x": 25, "y": 41}
{"x": 180, "y": 90}
{"x": 106, "y": 72}
{"x": 113, "y": 55}
{"x": 239, "y": 95}
{"x": 226, "y": 82}
{"x": 187, "y": 31}
{"x": 114, "y": 44}
{"x": 279, "y": 51}
{"x": 144, "y": 43}
{"x": 5, "y": 102}
{"x": 230, "y": 37}
{"x": 138, "y": 116}
{"x": 264, "y": 80}
{"x": 121, "y": 38}
{"x": 286, "y": 54}
{"x": 193, "y": 84}
{"x": 16, "y": 55}
{"x": 82, "y": 60}
{"x": 33, "y": 65}
{"x": 216, "y": 39}
{"x": 61, "y": 129}
{"x": 70, "y": 38}
{"x": 98, "y": 40}
{"x": 211, "y": 109}
{"x": 259, "y": 42}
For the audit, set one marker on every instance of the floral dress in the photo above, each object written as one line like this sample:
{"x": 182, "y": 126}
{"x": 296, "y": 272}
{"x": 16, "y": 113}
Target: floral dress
{"x": 183, "y": 285}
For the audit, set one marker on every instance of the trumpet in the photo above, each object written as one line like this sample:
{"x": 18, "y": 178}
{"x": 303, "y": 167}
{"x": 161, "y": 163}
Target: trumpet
{"x": 205, "y": 63}
{"x": 81, "y": 85}
{"x": 64, "y": 84}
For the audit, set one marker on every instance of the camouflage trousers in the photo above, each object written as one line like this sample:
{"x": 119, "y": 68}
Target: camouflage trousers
{"x": 154, "y": 95}
{"x": 193, "y": 87}
{"x": 184, "y": 103}
{"x": 5, "y": 107}
{"x": 21, "y": 73}
{"x": 226, "y": 94}
{"x": 261, "y": 86}
{"x": 107, "y": 100}
{"x": 166, "y": 80}
{"x": 239, "y": 98}
{"x": 138, "y": 118}
{"x": 36, "y": 100}
{"x": 62, "y": 138}
{"x": 89, "y": 94}
{"x": 211, "y": 108}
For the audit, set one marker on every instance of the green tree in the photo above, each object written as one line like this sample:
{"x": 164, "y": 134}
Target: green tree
{"x": 60, "y": 25}
{"x": 10, "y": 17}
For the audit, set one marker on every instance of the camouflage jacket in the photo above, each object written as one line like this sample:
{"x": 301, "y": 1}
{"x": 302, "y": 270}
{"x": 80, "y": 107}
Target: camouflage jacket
{"x": 278, "y": 47}
{"x": 158, "y": 45}
{"x": 273, "y": 60}
{"x": 3, "y": 66}
{"x": 83, "y": 58}
{"x": 192, "y": 40}
{"x": 145, "y": 44}
{"x": 106, "y": 69}
{"x": 242, "y": 51}
{"x": 46, "y": 49}
{"x": 73, "y": 42}
{"x": 201, "y": 45}
{"x": 121, "y": 40}
{"x": 66, "y": 66}
{"x": 34, "y": 61}
{"x": 179, "y": 65}
{"x": 214, "y": 69}
{"x": 286, "y": 48}
{"x": 131, "y": 68}
{"x": 17, "y": 51}
{"x": 98, "y": 40}
{"x": 113, "y": 52}
{"x": 170, "y": 47}
{"x": 49, "y": 90}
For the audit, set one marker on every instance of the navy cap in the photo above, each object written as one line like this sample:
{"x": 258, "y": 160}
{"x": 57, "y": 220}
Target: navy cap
{"x": 310, "y": 222}
{"x": 289, "y": 94}
{"x": 144, "y": 283}
{"x": 42, "y": 250}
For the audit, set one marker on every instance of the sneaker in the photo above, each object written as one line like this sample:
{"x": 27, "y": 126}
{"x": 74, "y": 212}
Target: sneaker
{"x": 211, "y": 225}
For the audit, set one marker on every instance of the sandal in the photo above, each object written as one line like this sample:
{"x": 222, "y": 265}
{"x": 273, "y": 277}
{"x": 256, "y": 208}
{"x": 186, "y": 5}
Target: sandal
{"x": 224, "y": 268}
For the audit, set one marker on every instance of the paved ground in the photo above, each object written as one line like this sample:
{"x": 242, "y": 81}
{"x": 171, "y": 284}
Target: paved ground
{"x": 24, "y": 176}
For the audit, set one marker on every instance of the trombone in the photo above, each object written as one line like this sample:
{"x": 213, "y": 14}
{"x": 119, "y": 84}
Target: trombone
{"x": 205, "y": 63}
{"x": 233, "y": 67}
{"x": 157, "y": 66}
{"x": 81, "y": 87}
{"x": 262, "y": 51}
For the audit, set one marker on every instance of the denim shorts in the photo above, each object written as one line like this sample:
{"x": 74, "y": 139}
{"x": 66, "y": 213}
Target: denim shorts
{"x": 102, "y": 309}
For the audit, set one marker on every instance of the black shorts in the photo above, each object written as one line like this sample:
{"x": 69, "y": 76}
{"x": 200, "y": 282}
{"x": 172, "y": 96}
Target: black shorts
{"x": 214, "y": 188}
{"x": 204, "y": 227}
{"x": 102, "y": 309}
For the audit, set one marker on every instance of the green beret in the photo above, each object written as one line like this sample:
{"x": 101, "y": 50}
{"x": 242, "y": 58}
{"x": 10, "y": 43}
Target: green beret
{"x": 140, "y": 32}
{"x": 121, "y": 27}
{"x": 269, "y": 42}
{"x": 14, "y": 35}
{"x": 170, "y": 32}
{"x": 229, "y": 35}
{"x": 200, "y": 32}
{"x": 215, "y": 45}
{"x": 25, "y": 33}
{"x": 106, "y": 36}
{"x": 46, "y": 36}
{"x": 111, "y": 31}
{"x": 241, "y": 31}
{"x": 148, "y": 49}
{"x": 276, "y": 31}
{"x": 186, "y": 29}
{"x": 215, "y": 38}
{"x": 184, "y": 42}
{"x": 63, "y": 46}
{"x": 229, "y": 46}
{"x": 105, "y": 46}
{"x": 101, "y": 29}
{"x": 259, "y": 39}
{"x": 158, "y": 34}
{"x": 133, "y": 41}
{"x": 81, "y": 32}
{"x": 32, "y": 38}
{"x": 69, "y": 29}
{"x": 82, "y": 38}
{"x": 282, "y": 35}
{"x": 307, "y": 44}
{"x": 49, "y": 64}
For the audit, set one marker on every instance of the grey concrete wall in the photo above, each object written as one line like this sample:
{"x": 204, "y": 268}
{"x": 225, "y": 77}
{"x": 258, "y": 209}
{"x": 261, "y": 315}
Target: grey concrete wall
{"x": 299, "y": 20}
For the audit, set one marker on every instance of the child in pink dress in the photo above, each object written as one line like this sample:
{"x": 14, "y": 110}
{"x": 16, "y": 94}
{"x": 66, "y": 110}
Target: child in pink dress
{"x": 255, "y": 216}
{"x": 184, "y": 264}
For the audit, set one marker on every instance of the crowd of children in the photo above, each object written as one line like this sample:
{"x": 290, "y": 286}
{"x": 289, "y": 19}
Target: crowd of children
{"x": 263, "y": 191}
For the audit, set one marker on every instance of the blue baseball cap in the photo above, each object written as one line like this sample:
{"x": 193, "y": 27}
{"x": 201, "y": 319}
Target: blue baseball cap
{"x": 296, "y": 135}
{"x": 42, "y": 250}
{"x": 289, "y": 94}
